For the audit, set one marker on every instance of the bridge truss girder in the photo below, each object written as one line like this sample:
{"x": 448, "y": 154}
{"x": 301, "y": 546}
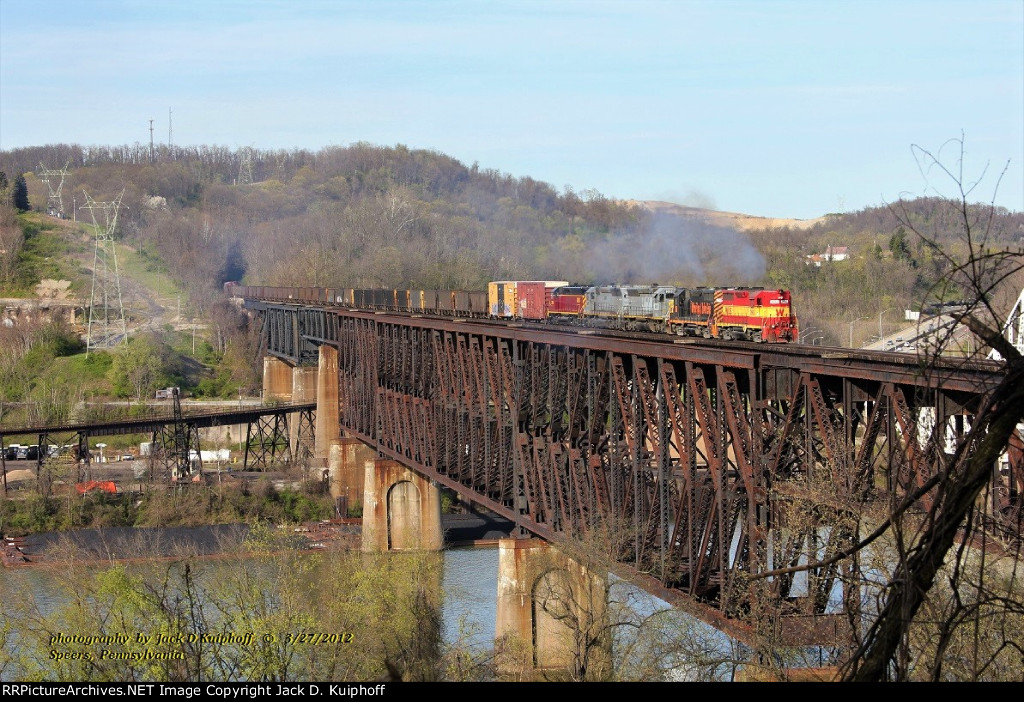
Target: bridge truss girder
{"x": 267, "y": 439}
{"x": 713, "y": 470}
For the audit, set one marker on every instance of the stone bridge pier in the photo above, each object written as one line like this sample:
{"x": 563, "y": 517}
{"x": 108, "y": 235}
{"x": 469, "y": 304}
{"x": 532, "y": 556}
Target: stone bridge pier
{"x": 552, "y": 615}
{"x": 328, "y": 428}
{"x": 347, "y": 465}
{"x": 401, "y": 509}
{"x": 283, "y": 382}
{"x": 277, "y": 380}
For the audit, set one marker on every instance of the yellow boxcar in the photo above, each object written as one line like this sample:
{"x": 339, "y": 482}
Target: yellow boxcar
{"x": 501, "y": 298}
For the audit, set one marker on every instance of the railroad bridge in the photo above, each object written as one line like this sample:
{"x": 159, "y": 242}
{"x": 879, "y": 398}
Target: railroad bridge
{"x": 709, "y": 463}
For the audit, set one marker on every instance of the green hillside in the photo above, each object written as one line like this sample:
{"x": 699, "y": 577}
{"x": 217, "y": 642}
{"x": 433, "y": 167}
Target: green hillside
{"x": 367, "y": 216}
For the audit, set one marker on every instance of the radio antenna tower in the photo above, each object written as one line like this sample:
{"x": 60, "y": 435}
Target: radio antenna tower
{"x": 54, "y": 205}
{"x": 106, "y": 326}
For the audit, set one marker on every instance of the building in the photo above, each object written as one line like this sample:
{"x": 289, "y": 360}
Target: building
{"x": 832, "y": 253}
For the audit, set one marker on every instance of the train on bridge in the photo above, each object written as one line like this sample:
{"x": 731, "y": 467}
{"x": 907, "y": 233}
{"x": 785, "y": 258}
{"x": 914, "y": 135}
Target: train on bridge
{"x": 730, "y": 313}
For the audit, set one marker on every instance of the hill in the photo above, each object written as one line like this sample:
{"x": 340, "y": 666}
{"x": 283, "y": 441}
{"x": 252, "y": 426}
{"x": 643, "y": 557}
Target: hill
{"x": 730, "y": 220}
{"x": 390, "y": 216}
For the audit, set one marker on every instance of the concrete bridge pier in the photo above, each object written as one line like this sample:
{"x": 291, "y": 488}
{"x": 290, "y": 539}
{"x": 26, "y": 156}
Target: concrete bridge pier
{"x": 304, "y": 389}
{"x": 347, "y": 465}
{"x": 401, "y": 510}
{"x": 328, "y": 417}
{"x": 277, "y": 380}
{"x": 552, "y": 615}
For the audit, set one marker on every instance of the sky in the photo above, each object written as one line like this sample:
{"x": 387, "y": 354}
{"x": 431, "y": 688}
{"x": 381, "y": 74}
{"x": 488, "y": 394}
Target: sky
{"x": 776, "y": 108}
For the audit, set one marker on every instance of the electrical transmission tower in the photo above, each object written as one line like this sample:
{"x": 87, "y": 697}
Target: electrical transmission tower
{"x": 245, "y": 168}
{"x": 54, "y": 205}
{"x": 106, "y": 310}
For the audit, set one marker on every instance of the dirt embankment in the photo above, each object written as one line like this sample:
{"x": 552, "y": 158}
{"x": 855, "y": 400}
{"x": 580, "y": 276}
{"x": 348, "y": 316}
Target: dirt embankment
{"x": 732, "y": 220}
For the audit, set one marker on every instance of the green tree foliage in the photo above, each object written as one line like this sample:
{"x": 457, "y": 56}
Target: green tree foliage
{"x": 213, "y": 504}
{"x": 898, "y": 245}
{"x": 137, "y": 369}
{"x": 30, "y": 372}
{"x": 145, "y": 363}
{"x": 19, "y": 195}
{"x": 251, "y": 619}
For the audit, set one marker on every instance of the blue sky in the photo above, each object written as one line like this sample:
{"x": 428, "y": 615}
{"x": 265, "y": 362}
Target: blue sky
{"x": 774, "y": 108}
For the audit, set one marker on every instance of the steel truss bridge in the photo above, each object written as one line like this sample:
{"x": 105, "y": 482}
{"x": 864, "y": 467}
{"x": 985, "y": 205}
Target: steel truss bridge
{"x": 175, "y": 438}
{"x": 713, "y": 462}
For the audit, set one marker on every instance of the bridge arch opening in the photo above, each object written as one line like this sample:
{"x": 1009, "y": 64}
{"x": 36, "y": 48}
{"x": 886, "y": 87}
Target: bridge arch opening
{"x": 404, "y": 518}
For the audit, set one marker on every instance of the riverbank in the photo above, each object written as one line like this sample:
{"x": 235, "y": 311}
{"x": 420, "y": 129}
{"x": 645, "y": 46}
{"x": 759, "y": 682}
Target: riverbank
{"x": 120, "y": 544}
{"x": 63, "y": 508}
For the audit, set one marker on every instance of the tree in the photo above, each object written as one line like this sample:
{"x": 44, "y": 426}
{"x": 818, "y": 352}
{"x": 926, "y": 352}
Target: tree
{"x": 259, "y": 617}
{"x": 898, "y": 245}
{"x": 138, "y": 368}
{"x": 19, "y": 195}
{"x": 941, "y": 547}
{"x": 11, "y": 240}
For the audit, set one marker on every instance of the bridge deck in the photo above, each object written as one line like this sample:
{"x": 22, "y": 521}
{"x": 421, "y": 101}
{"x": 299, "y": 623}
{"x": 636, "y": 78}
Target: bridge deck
{"x": 142, "y": 425}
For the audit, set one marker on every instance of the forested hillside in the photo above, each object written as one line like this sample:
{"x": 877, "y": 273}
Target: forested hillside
{"x": 366, "y": 216}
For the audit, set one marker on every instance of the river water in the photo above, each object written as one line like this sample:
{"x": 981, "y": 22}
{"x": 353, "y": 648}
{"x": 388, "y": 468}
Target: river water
{"x": 469, "y": 584}
{"x": 470, "y": 587}
{"x": 469, "y": 610}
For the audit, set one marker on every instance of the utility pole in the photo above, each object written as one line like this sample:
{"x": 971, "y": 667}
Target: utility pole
{"x": 851, "y": 329}
{"x": 151, "y": 157}
{"x": 880, "y": 315}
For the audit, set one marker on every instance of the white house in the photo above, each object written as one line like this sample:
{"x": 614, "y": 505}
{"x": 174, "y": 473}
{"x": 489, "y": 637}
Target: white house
{"x": 832, "y": 253}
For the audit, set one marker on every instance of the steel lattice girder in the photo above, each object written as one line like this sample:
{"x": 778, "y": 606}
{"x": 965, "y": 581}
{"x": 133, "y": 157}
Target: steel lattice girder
{"x": 715, "y": 464}
{"x": 265, "y": 438}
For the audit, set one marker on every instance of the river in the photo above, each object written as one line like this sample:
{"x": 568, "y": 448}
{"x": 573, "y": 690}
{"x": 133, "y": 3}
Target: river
{"x": 469, "y": 603}
{"x": 469, "y": 610}
{"x": 470, "y": 585}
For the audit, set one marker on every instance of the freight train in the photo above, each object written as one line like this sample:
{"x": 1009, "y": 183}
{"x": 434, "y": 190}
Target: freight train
{"x": 735, "y": 313}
